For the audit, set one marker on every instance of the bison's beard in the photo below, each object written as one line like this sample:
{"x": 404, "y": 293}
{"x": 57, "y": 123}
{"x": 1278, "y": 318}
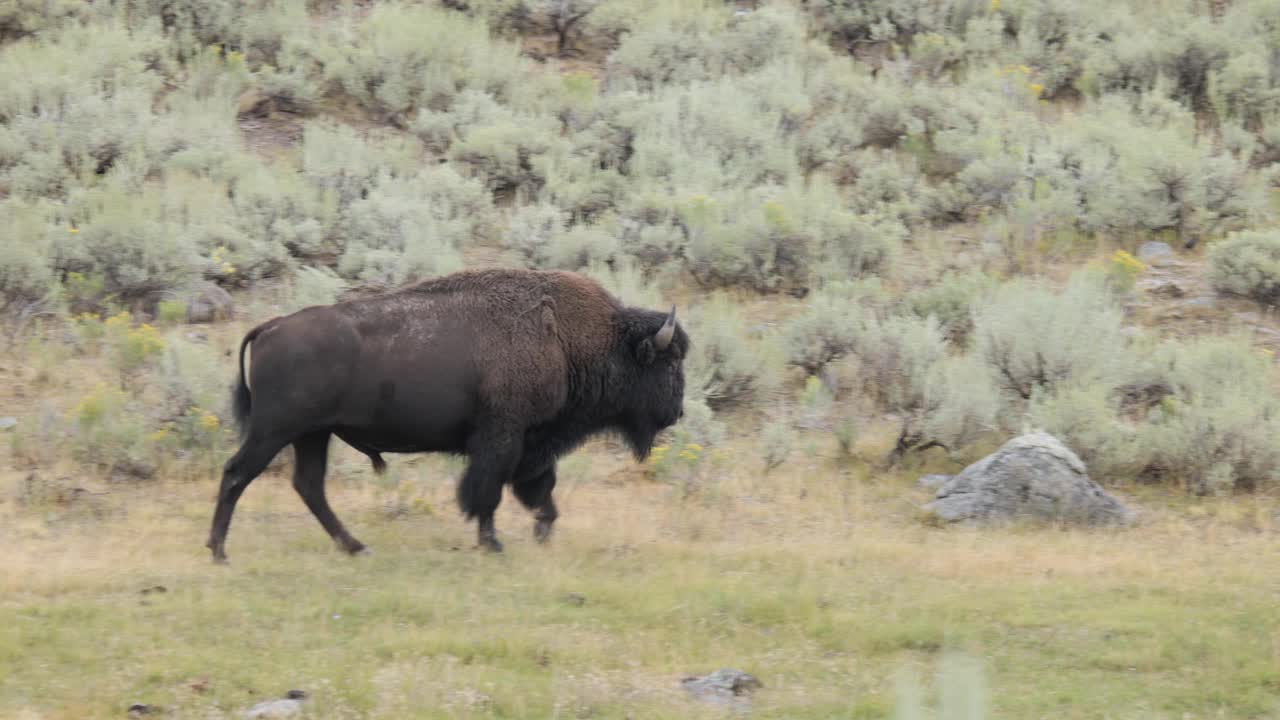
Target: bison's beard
{"x": 640, "y": 437}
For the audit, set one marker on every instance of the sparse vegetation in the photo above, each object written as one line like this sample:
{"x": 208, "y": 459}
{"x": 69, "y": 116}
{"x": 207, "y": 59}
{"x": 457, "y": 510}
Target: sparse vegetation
{"x": 888, "y": 226}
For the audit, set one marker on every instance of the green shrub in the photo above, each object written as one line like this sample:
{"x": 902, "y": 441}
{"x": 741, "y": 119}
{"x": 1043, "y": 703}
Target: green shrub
{"x": 511, "y": 156}
{"x": 77, "y": 104}
{"x": 412, "y": 228}
{"x": 343, "y": 163}
{"x": 679, "y": 43}
{"x": 402, "y": 56}
{"x": 1247, "y": 264}
{"x": 281, "y": 208}
{"x": 125, "y": 238}
{"x": 1087, "y": 418}
{"x": 20, "y": 18}
{"x": 777, "y": 439}
{"x": 1033, "y": 340}
{"x": 315, "y": 286}
{"x": 834, "y": 320}
{"x": 1216, "y": 432}
{"x": 26, "y": 274}
{"x": 959, "y": 406}
{"x": 627, "y": 281}
{"x": 108, "y": 430}
{"x": 725, "y": 367}
{"x": 541, "y": 236}
{"x": 951, "y": 301}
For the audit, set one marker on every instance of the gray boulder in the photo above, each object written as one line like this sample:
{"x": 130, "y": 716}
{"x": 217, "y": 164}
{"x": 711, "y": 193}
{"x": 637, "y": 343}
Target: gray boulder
{"x": 1032, "y": 477}
{"x": 207, "y": 303}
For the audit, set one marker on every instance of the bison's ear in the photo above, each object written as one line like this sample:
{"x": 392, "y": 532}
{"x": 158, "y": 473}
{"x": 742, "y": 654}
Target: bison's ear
{"x": 646, "y": 353}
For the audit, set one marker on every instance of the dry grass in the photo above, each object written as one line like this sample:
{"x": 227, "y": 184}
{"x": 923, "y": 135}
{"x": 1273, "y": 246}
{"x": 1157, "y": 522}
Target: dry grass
{"x": 818, "y": 580}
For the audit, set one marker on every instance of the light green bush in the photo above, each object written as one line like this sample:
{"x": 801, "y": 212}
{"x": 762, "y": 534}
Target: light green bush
{"x": 1032, "y": 339}
{"x": 125, "y": 238}
{"x": 1087, "y": 418}
{"x": 783, "y": 238}
{"x": 951, "y": 301}
{"x": 403, "y": 56}
{"x": 76, "y": 104}
{"x": 540, "y": 234}
{"x": 412, "y": 228}
{"x": 343, "y": 163}
{"x": 1216, "y": 432}
{"x": 26, "y": 273}
{"x": 315, "y": 285}
{"x": 959, "y": 405}
{"x": 833, "y": 322}
{"x": 627, "y": 281}
{"x": 679, "y": 43}
{"x": 275, "y": 205}
{"x": 21, "y": 18}
{"x": 512, "y": 155}
{"x": 726, "y": 368}
{"x": 1247, "y": 264}
{"x": 108, "y": 430}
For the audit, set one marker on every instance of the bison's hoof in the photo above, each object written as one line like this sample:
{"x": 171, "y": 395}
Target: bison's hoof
{"x": 542, "y": 531}
{"x": 492, "y": 544}
{"x": 355, "y": 547}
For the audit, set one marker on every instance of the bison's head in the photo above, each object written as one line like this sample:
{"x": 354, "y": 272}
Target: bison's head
{"x": 655, "y": 347}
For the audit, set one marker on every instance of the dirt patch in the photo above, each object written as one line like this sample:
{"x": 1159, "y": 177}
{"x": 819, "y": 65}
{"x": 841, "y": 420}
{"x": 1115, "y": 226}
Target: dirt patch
{"x": 271, "y": 135}
{"x": 1177, "y": 301}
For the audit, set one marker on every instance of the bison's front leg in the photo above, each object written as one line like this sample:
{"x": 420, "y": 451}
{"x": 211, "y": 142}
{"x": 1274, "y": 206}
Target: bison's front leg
{"x": 494, "y": 453}
{"x": 535, "y": 493}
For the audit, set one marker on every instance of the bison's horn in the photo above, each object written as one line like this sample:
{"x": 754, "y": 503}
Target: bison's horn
{"x": 668, "y": 331}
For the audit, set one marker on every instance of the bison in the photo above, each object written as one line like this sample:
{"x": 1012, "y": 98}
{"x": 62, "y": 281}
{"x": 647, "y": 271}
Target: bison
{"x": 511, "y": 368}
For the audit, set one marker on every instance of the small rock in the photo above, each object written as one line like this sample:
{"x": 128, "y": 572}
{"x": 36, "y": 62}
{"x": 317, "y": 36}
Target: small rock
{"x": 198, "y": 337}
{"x": 208, "y": 303}
{"x": 723, "y": 687}
{"x": 154, "y": 589}
{"x": 1168, "y": 289}
{"x": 290, "y": 706}
{"x": 142, "y": 710}
{"x": 1156, "y": 253}
{"x": 125, "y": 469}
{"x": 8, "y": 422}
{"x": 575, "y": 599}
{"x": 932, "y": 482}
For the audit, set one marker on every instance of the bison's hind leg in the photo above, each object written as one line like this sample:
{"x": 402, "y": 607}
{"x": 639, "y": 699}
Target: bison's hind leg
{"x": 311, "y": 458}
{"x": 248, "y": 463}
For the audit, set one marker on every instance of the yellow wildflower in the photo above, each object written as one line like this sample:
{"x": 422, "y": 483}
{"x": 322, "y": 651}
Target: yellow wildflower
{"x": 1036, "y": 88}
{"x": 995, "y": 5}
{"x": 73, "y": 230}
{"x": 209, "y": 421}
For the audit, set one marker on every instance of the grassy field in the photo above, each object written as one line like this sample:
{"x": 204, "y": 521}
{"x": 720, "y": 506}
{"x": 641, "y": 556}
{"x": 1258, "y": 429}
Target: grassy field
{"x": 892, "y": 224}
{"x": 817, "y": 578}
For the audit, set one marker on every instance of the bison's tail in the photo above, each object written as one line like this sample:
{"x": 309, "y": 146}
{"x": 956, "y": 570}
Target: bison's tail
{"x": 241, "y": 401}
